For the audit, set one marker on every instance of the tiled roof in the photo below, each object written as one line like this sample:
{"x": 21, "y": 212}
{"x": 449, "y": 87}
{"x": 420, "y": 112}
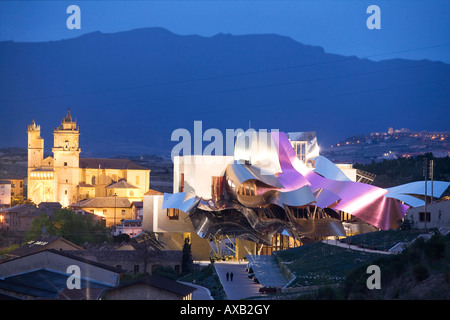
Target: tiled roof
{"x": 39, "y": 244}
{"x": 24, "y": 209}
{"x": 122, "y": 184}
{"x": 96, "y": 163}
{"x": 103, "y": 202}
{"x": 152, "y": 192}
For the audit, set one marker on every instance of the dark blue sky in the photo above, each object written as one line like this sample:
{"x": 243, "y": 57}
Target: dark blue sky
{"x": 409, "y": 29}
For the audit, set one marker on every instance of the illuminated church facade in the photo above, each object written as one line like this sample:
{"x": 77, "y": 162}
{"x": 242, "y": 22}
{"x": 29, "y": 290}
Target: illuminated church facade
{"x": 66, "y": 178}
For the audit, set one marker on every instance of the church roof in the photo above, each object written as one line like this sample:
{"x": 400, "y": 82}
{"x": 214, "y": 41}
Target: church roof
{"x": 68, "y": 117}
{"x": 96, "y": 163}
{"x": 122, "y": 184}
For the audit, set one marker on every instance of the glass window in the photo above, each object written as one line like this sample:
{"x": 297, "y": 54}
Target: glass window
{"x": 173, "y": 214}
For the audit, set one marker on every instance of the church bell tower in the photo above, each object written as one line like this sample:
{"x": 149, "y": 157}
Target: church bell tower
{"x": 35, "y": 146}
{"x": 66, "y": 155}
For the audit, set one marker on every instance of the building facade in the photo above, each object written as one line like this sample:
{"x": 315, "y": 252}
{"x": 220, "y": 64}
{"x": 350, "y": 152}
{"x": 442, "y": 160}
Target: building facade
{"x": 66, "y": 178}
{"x": 5, "y": 193}
{"x": 437, "y": 215}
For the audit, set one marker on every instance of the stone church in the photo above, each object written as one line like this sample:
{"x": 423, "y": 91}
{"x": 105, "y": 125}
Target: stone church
{"x": 66, "y": 178}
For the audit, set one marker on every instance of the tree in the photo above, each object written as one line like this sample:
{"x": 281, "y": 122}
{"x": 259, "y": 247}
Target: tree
{"x": 69, "y": 225}
{"x": 187, "y": 261}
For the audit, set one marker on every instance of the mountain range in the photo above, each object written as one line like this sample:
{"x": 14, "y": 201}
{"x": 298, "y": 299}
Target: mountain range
{"x": 130, "y": 90}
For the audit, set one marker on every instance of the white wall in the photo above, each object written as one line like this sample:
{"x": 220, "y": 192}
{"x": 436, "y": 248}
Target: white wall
{"x": 439, "y": 216}
{"x": 198, "y": 172}
{"x": 5, "y": 193}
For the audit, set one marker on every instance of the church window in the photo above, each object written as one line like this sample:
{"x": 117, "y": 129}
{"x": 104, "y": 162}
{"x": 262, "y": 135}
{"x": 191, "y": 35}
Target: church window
{"x": 93, "y": 180}
{"x": 65, "y": 164}
{"x": 65, "y": 191}
{"x": 66, "y": 144}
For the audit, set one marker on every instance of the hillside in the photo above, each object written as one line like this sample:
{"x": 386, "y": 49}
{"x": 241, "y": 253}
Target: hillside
{"x": 420, "y": 272}
{"x": 130, "y": 90}
{"x": 390, "y": 173}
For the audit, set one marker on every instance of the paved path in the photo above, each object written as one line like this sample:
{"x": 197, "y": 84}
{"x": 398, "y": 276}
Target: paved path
{"x": 353, "y": 247}
{"x": 241, "y": 287}
{"x": 267, "y": 270}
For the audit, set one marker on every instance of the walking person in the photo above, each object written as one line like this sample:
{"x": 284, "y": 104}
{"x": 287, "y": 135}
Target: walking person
{"x": 231, "y": 276}
{"x": 228, "y": 275}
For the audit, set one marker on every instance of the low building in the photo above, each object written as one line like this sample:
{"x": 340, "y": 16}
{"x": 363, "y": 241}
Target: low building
{"x": 134, "y": 259}
{"x": 132, "y": 227}
{"x": 125, "y": 189}
{"x": 138, "y": 209}
{"x": 437, "y": 216}
{"x": 49, "y": 207}
{"x": 42, "y": 243}
{"x": 18, "y": 218}
{"x": 17, "y": 191}
{"x": 5, "y": 193}
{"x": 112, "y": 209}
{"x": 150, "y": 288}
{"x": 44, "y": 274}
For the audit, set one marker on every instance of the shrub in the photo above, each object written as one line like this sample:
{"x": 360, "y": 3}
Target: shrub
{"x": 435, "y": 247}
{"x": 420, "y": 272}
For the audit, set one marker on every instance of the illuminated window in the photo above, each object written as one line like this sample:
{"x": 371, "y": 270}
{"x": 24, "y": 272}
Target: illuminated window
{"x": 300, "y": 149}
{"x": 217, "y": 189}
{"x": 173, "y": 214}
{"x": 247, "y": 189}
{"x": 181, "y": 189}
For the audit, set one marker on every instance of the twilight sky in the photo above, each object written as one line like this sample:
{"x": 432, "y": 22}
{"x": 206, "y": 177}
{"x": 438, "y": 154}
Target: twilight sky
{"x": 410, "y": 29}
